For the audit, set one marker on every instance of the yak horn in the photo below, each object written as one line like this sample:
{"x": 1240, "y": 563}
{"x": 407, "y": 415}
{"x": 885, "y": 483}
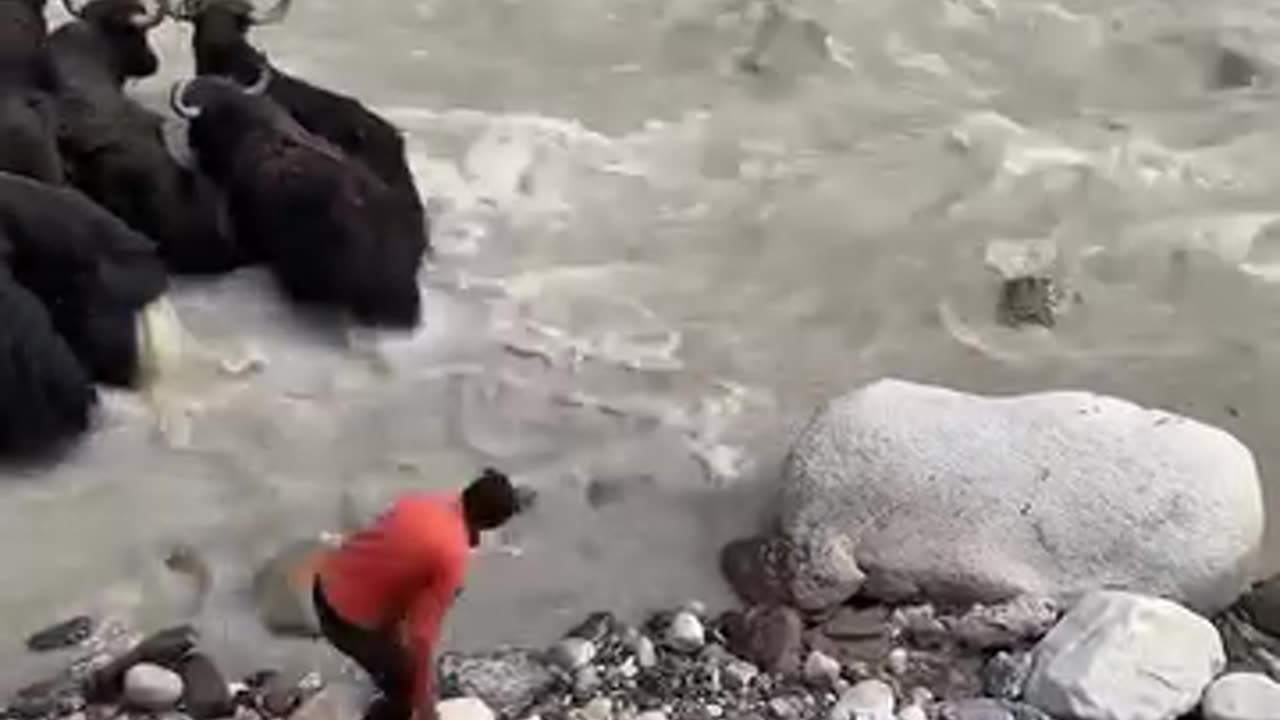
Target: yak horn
{"x": 75, "y": 12}
{"x": 146, "y": 22}
{"x": 272, "y": 16}
{"x": 179, "y": 89}
{"x": 259, "y": 86}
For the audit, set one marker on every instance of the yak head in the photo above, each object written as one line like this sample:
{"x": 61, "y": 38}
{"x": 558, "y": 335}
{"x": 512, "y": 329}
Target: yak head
{"x": 220, "y": 43}
{"x": 123, "y": 25}
{"x": 221, "y": 113}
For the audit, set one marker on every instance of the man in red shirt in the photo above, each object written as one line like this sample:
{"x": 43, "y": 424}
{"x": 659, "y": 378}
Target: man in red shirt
{"x": 381, "y": 596}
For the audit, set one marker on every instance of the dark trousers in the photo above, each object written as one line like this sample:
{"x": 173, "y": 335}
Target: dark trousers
{"x": 378, "y": 653}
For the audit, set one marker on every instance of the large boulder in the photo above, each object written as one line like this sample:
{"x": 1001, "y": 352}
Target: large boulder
{"x": 1122, "y": 656}
{"x": 898, "y": 489}
{"x": 282, "y": 589}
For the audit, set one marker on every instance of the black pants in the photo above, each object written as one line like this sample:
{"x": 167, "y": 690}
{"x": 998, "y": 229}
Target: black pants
{"x": 378, "y": 653}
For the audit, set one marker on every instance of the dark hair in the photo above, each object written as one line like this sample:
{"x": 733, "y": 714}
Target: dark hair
{"x": 490, "y": 500}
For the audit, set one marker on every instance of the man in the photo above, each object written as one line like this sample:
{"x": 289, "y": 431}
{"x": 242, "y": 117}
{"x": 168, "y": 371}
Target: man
{"x": 381, "y": 596}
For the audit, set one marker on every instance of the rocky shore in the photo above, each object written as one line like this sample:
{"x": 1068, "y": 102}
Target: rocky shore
{"x": 936, "y": 555}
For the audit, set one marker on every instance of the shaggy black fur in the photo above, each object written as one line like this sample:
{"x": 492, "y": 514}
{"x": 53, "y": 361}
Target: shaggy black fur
{"x": 323, "y": 222}
{"x": 27, "y": 126}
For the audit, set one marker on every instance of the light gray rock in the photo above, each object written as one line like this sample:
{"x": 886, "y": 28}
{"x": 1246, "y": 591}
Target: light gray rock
{"x": 821, "y": 670}
{"x": 572, "y": 653}
{"x": 152, "y": 687}
{"x": 903, "y": 487}
{"x": 739, "y": 674}
{"x": 464, "y": 708}
{"x": 1008, "y": 624}
{"x": 912, "y": 712}
{"x": 988, "y": 709}
{"x": 646, "y": 653}
{"x": 598, "y": 709}
{"x": 1122, "y": 656}
{"x": 1005, "y": 674}
{"x": 868, "y": 700}
{"x": 898, "y": 661}
{"x": 282, "y": 589}
{"x": 1242, "y": 696}
{"x": 508, "y": 680}
{"x": 652, "y": 715}
{"x": 686, "y": 633}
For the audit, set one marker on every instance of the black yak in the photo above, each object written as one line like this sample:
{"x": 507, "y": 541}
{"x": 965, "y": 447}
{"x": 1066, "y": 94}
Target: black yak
{"x": 321, "y": 221}
{"x": 221, "y": 47}
{"x": 46, "y": 397}
{"x": 114, "y": 149}
{"x": 27, "y": 126}
{"x": 94, "y": 274}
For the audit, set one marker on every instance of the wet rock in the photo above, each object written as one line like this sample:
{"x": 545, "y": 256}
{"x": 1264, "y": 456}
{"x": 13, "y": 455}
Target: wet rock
{"x": 770, "y": 637}
{"x": 151, "y": 687}
{"x": 945, "y": 673}
{"x": 753, "y": 567}
{"x": 1262, "y": 604}
{"x": 857, "y": 476}
{"x": 821, "y": 670}
{"x": 1026, "y": 300}
{"x": 1005, "y": 625}
{"x": 572, "y": 653}
{"x": 1233, "y": 69}
{"x": 465, "y": 708}
{"x": 1122, "y": 655}
{"x": 282, "y": 589}
{"x": 853, "y": 624}
{"x": 868, "y": 700}
{"x": 166, "y": 648}
{"x": 1005, "y": 674}
{"x": 279, "y": 694}
{"x": 205, "y": 693}
{"x": 65, "y": 634}
{"x": 921, "y": 624}
{"x": 988, "y": 709}
{"x": 685, "y": 633}
{"x": 1242, "y": 696}
{"x": 507, "y": 680}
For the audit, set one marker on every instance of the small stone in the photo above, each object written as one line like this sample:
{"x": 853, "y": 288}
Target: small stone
{"x": 165, "y": 648}
{"x": 1005, "y": 674}
{"x": 868, "y": 700}
{"x": 595, "y": 628}
{"x": 786, "y": 708}
{"x": 697, "y": 608}
{"x": 713, "y": 711}
{"x": 65, "y": 634}
{"x": 151, "y": 687}
{"x": 685, "y": 633}
{"x": 205, "y": 695}
{"x": 598, "y": 709}
{"x": 464, "y": 708}
{"x": 646, "y": 653}
{"x": 850, "y": 624}
{"x": 572, "y": 653}
{"x": 988, "y": 709}
{"x": 282, "y": 589}
{"x": 1242, "y": 696}
{"x": 913, "y": 712}
{"x": 739, "y": 674}
{"x": 1005, "y": 625}
{"x": 628, "y": 669}
{"x": 586, "y": 681}
{"x": 652, "y": 715}
{"x": 821, "y": 670}
{"x": 770, "y": 637}
{"x": 897, "y": 661}
{"x": 279, "y": 695}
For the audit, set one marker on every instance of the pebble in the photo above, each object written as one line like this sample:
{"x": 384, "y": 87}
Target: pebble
{"x": 152, "y": 687}
{"x": 652, "y": 715}
{"x": 868, "y": 700}
{"x": 646, "y": 653}
{"x": 1004, "y": 675}
{"x": 988, "y": 709}
{"x": 786, "y": 708}
{"x": 598, "y": 709}
{"x": 821, "y": 670}
{"x": 686, "y": 633}
{"x": 463, "y": 708}
{"x": 714, "y": 711}
{"x": 65, "y": 634}
{"x": 586, "y": 681}
{"x": 1242, "y": 696}
{"x": 739, "y": 674}
{"x": 912, "y": 712}
{"x": 897, "y": 661}
{"x": 572, "y": 653}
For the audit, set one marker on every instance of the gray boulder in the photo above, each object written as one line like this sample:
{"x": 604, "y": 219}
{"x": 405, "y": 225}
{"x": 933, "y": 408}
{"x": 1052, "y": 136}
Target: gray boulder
{"x": 899, "y": 489}
{"x": 282, "y": 589}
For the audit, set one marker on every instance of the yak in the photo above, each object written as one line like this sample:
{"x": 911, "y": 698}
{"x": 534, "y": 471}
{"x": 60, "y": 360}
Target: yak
{"x": 221, "y": 47}
{"x": 96, "y": 276}
{"x": 114, "y": 148}
{"x": 46, "y": 396}
{"x": 323, "y": 222}
{"x": 27, "y": 124}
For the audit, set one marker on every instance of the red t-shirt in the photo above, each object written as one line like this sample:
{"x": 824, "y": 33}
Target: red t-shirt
{"x": 402, "y": 573}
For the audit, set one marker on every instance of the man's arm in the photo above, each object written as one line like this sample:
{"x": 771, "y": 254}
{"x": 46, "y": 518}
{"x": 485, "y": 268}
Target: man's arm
{"x": 426, "y": 617}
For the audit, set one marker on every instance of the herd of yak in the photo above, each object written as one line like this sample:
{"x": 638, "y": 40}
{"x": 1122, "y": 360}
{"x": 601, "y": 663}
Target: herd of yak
{"x": 96, "y": 213}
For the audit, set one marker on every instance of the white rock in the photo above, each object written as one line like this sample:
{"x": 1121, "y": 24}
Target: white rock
{"x": 463, "y": 708}
{"x": 868, "y": 700}
{"x": 646, "y": 653}
{"x": 913, "y": 712}
{"x": 152, "y": 687}
{"x": 686, "y": 633}
{"x": 899, "y": 488}
{"x": 898, "y": 660}
{"x": 652, "y": 715}
{"x": 821, "y": 670}
{"x": 1121, "y": 656}
{"x": 572, "y": 653}
{"x": 1242, "y": 696}
{"x": 598, "y": 709}
{"x": 739, "y": 674}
